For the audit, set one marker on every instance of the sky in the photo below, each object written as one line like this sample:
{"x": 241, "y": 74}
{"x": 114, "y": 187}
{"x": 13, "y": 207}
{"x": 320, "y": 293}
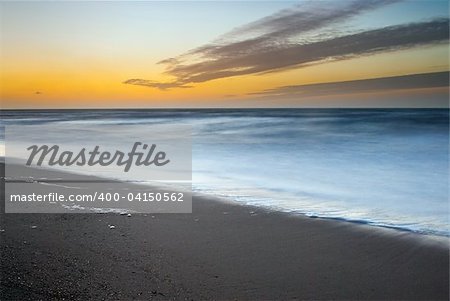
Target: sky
{"x": 148, "y": 54}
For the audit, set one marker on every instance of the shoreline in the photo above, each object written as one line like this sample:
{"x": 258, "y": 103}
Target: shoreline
{"x": 438, "y": 239}
{"x": 223, "y": 251}
{"x": 430, "y": 235}
{"x": 445, "y": 239}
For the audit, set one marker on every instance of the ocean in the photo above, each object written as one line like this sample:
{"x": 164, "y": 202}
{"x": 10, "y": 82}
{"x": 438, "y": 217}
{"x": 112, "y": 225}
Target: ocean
{"x": 382, "y": 167}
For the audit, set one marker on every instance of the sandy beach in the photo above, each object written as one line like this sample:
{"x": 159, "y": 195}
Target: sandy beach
{"x": 222, "y": 251}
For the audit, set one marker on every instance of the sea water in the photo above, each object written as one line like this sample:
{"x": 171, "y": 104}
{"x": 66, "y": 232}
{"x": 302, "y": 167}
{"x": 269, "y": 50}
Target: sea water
{"x": 385, "y": 167}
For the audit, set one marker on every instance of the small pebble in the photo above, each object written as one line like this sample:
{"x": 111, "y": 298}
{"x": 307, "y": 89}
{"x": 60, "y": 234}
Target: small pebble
{"x": 112, "y": 227}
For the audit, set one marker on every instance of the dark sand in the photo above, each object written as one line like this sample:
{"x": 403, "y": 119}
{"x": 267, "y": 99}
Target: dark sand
{"x": 221, "y": 251}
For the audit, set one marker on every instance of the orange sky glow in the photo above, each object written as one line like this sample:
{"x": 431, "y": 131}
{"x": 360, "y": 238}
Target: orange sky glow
{"x": 74, "y": 67}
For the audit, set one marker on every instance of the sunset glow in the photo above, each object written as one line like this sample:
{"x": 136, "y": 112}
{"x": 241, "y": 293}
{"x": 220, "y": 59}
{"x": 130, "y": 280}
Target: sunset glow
{"x": 214, "y": 54}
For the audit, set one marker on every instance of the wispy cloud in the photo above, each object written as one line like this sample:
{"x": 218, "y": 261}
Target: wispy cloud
{"x": 415, "y": 81}
{"x": 149, "y": 83}
{"x": 298, "y": 24}
{"x": 294, "y": 38}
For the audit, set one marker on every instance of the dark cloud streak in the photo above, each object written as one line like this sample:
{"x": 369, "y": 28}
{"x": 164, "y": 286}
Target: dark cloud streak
{"x": 360, "y": 44}
{"x": 276, "y": 29}
{"x": 289, "y": 39}
{"x": 414, "y": 81}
